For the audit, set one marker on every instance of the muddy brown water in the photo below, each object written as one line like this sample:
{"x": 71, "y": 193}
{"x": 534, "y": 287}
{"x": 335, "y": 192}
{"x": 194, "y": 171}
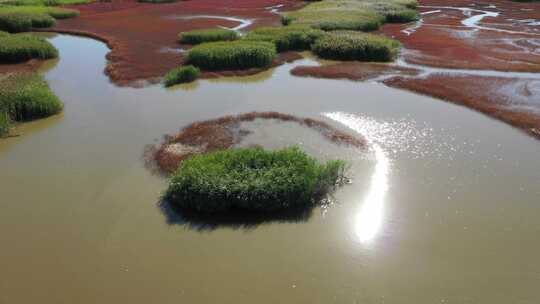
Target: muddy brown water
{"x": 444, "y": 208}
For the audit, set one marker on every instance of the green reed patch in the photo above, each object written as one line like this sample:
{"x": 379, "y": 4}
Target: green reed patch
{"x": 207, "y": 35}
{"x": 44, "y": 2}
{"x": 360, "y": 15}
{"x": 349, "y": 45}
{"x": 16, "y": 19}
{"x": 286, "y": 38}
{"x": 25, "y": 97}
{"x": 55, "y": 12}
{"x": 21, "y": 47}
{"x": 183, "y": 74}
{"x": 230, "y": 55}
{"x": 253, "y": 180}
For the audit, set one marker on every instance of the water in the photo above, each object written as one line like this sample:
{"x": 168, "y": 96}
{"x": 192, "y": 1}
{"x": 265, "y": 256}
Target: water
{"x": 443, "y": 208}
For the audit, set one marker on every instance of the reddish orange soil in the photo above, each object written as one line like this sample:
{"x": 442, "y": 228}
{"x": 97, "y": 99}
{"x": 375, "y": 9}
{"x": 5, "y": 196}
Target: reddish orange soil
{"x": 143, "y": 37}
{"x": 28, "y": 66}
{"x": 443, "y": 41}
{"x": 502, "y": 98}
{"x": 224, "y": 132}
{"x": 352, "y": 70}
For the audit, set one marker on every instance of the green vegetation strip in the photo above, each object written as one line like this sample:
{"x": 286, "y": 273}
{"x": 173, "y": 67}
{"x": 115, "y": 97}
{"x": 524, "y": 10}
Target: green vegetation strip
{"x": 297, "y": 38}
{"x": 25, "y": 97}
{"x": 44, "y": 2}
{"x": 183, "y": 74}
{"x": 252, "y": 179}
{"x": 362, "y": 15}
{"x": 207, "y": 35}
{"x": 22, "y": 47}
{"x": 349, "y": 45}
{"x": 230, "y": 55}
{"x": 16, "y": 19}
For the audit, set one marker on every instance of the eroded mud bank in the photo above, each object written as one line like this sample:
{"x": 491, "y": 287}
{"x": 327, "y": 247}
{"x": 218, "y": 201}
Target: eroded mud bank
{"x": 228, "y": 131}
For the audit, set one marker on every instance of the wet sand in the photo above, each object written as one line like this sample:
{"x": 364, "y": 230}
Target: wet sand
{"x": 444, "y": 207}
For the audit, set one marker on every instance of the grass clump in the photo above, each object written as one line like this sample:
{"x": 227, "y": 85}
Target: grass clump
{"x": 25, "y": 97}
{"x": 358, "y": 15}
{"x": 15, "y": 19}
{"x": 252, "y": 179}
{"x": 297, "y": 38}
{"x": 230, "y": 55}
{"x": 183, "y": 74}
{"x": 348, "y": 45}
{"x": 21, "y": 47}
{"x": 55, "y": 12}
{"x": 207, "y": 35}
{"x": 45, "y": 2}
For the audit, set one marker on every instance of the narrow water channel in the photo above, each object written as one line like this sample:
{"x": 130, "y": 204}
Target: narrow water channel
{"x": 444, "y": 208}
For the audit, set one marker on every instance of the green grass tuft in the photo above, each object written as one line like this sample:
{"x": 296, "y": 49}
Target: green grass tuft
{"x": 21, "y": 47}
{"x": 358, "y": 15}
{"x": 207, "y": 35}
{"x": 55, "y": 12}
{"x": 348, "y": 45}
{"x": 230, "y": 55}
{"x": 183, "y": 74}
{"x": 252, "y": 180}
{"x": 297, "y": 38}
{"x": 45, "y": 2}
{"x": 25, "y": 97}
{"x": 15, "y": 19}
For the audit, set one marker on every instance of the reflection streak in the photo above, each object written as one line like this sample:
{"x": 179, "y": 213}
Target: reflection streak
{"x": 369, "y": 219}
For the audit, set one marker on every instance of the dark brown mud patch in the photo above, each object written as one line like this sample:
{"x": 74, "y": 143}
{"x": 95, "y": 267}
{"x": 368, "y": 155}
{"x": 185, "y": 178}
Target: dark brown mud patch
{"x": 352, "y": 70}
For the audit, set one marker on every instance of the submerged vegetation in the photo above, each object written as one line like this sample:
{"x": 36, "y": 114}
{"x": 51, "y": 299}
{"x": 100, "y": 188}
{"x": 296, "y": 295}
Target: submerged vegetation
{"x": 21, "y": 47}
{"x": 362, "y": 15}
{"x": 252, "y": 179}
{"x": 349, "y": 45}
{"x": 207, "y": 35}
{"x": 25, "y": 97}
{"x": 239, "y": 54}
{"x": 287, "y": 38}
{"x": 183, "y": 74}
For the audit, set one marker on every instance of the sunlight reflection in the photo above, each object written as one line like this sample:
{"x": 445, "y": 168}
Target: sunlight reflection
{"x": 370, "y": 216}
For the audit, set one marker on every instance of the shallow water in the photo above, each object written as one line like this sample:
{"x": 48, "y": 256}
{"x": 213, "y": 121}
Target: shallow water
{"x": 446, "y": 210}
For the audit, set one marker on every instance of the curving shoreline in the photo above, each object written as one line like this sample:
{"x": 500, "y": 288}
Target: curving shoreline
{"x": 146, "y": 29}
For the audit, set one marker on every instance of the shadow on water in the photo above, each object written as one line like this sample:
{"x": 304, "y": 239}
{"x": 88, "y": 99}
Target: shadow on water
{"x": 236, "y": 219}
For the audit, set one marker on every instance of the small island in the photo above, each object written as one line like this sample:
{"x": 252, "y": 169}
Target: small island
{"x": 253, "y": 179}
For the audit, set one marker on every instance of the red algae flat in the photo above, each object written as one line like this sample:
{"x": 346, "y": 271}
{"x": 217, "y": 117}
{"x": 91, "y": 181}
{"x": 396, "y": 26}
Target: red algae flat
{"x": 137, "y": 33}
{"x": 352, "y": 71}
{"x": 496, "y": 97}
{"x": 485, "y": 35}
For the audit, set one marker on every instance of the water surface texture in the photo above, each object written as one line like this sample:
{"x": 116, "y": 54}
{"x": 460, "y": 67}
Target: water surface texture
{"x": 444, "y": 208}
